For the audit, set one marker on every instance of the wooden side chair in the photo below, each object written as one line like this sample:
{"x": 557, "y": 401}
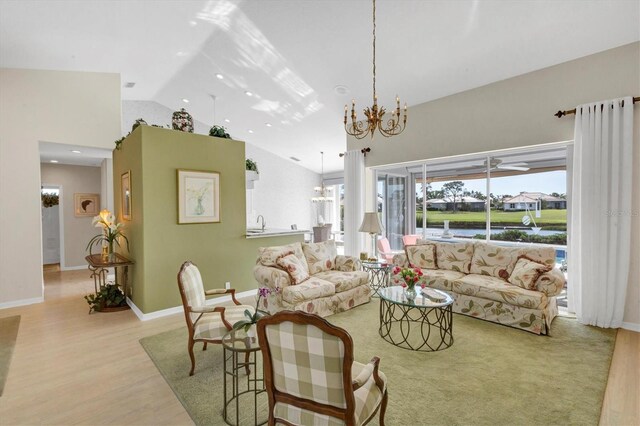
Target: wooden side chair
{"x": 310, "y": 374}
{"x": 206, "y": 324}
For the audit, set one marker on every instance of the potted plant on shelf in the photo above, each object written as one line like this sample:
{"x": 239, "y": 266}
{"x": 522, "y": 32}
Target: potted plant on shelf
{"x": 219, "y": 132}
{"x": 252, "y": 174}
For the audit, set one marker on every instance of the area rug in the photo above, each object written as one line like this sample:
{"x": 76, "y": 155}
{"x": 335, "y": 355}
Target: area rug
{"x": 8, "y": 333}
{"x": 492, "y": 374}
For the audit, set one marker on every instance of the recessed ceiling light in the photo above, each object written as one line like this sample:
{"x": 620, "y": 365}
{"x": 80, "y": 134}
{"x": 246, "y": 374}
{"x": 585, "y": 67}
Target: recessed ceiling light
{"x": 267, "y": 124}
{"x": 220, "y": 76}
{"x": 186, "y": 101}
{"x": 250, "y": 131}
{"x": 53, "y": 161}
{"x": 193, "y": 23}
{"x": 181, "y": 53}
{"x": 75, "y": 151}
{"x": 248, "y": 93}
{"x": 226, "y": 120}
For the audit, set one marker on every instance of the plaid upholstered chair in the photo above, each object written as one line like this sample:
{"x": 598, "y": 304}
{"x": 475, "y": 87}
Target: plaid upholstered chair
{"x": 310, "y": 375}
{"x": 206, "y": 324}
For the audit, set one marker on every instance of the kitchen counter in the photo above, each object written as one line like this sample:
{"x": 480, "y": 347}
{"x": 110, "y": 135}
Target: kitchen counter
{"x": 274, "y": 232}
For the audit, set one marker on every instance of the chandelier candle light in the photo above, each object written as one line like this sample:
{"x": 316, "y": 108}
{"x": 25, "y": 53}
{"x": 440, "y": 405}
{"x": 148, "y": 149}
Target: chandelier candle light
{"x": 374, "y": 114}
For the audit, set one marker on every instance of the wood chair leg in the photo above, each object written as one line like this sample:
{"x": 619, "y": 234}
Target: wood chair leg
{"x": 204, "y": 348}
{"x": 383, "y": 408}
{"x": 192, "y": 356}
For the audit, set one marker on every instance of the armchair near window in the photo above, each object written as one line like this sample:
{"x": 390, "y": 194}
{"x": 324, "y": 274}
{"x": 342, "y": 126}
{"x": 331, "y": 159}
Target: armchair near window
{"x": 206, "y": 324}
{"x": 384, "y": 250}
{"x": 310, "y": 374}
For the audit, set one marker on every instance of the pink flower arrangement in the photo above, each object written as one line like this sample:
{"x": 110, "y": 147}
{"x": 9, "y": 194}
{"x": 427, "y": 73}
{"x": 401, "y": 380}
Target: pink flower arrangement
{"x": 410, "y": 276}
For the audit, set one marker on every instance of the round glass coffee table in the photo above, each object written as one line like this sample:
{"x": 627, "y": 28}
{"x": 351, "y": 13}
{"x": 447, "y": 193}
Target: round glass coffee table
{"x": 422, "y": 324}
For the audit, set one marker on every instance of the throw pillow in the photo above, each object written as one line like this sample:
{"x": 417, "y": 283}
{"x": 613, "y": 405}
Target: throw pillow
{"x": 495, "y": 261}
{"x": 454, "y": 256}
{"x": 422, "y": 256}
{"x": 320, "y": 257}
{"x": 296, "y": 270}
{"x": 526, "y": 272}
{"x": 267, "y": 256}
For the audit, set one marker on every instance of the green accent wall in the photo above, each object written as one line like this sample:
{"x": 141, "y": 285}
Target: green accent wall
{"x": 158, "y": 244}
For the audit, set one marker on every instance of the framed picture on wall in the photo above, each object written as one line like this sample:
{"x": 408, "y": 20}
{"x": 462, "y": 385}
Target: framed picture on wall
{"x": 86, "y": 204}
{"x": 125, "y": 193}
{"x": 198, "y": 196}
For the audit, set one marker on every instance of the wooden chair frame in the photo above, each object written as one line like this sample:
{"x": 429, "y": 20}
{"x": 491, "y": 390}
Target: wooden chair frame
{"x": 188, "y": 309}
{"x": 346, "y": 414}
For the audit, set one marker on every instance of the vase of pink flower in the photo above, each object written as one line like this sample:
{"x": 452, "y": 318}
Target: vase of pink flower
{"x": 410, "y": 277}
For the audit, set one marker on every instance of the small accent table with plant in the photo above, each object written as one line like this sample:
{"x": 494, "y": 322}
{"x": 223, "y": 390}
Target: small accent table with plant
{"x": 108, "y": 297}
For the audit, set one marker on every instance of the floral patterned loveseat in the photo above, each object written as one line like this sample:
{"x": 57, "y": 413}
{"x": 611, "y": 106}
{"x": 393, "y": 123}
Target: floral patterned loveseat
{"x": 310, "y": 278}
{"x": 514, "y": 286}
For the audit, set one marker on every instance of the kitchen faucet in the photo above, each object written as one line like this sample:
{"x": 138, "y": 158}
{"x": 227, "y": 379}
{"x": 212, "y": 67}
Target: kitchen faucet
{"x": 263, "y": 222}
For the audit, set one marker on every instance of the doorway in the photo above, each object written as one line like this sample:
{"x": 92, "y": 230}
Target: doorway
{"x": 52, "y": 225}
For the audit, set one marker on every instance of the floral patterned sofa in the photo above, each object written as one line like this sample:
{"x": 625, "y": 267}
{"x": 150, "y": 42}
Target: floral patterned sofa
{"x": 310, "y": 278}
{"x": 514, "y": 286}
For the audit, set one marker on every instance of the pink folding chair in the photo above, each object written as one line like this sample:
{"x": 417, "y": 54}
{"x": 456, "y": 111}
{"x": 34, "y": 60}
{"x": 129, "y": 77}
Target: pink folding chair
{"x": 409, "y": 240}
{"x": 384, "y": 250}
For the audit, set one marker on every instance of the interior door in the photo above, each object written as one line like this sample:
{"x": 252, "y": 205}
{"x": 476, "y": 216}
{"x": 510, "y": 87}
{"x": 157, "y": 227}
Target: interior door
{"x": 50, "y": 235}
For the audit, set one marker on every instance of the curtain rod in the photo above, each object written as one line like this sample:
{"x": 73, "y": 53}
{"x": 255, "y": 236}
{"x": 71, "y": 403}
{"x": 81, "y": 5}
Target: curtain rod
{"x": 363, "y": 150}
{"x": 561, "y": 114}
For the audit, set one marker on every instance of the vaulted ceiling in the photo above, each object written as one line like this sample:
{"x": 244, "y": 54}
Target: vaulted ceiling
{"x": 303, "y": 60}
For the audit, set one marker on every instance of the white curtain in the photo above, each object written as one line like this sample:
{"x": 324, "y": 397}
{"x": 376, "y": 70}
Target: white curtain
{"x": 354, "y": 184}
{"x": 599, "y": 240}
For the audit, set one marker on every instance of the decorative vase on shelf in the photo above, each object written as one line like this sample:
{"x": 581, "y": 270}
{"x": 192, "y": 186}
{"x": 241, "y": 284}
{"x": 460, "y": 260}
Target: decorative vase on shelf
{"x": 182, "y": 120}
{"x": 410, "y": 292}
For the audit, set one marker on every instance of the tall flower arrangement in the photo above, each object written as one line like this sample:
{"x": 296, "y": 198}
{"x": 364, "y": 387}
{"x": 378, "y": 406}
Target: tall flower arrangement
{"x": 253, "y": 318}
{"x": 111, "y": 231}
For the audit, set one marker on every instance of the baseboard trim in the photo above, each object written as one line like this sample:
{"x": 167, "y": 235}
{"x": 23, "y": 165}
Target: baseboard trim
{"x": 73, "y": 268}
{"x": 22, "y": 302}
{"x": 178, "y": 309}
{"x": 631, "y": 326}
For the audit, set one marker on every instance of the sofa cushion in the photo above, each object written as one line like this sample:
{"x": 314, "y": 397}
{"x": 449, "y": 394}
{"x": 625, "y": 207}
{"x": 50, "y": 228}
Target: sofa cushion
{"x": 441, "y": 279}
{"x": 454, "y": 256}
{"x": 542, "y": 254}
{"x": 294, "y": 267}
{"x": 422, "y": 256}
{"x": 526, "y": 272}
{"x": 312, "y": 288}
{"x": 320, "y": 256}
{"x": 493, "y": 260}
{"x": 267, "y": 256}
{"x": 492, "y": 288}
{"x": 344, "y": 281}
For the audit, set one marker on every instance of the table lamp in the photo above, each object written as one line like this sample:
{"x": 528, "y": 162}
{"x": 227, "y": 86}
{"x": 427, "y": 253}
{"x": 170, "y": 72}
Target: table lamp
{"x": 371, "y": 224}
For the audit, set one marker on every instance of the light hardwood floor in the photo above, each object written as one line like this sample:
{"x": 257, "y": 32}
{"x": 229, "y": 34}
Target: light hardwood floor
{"x": 72, "y": 368}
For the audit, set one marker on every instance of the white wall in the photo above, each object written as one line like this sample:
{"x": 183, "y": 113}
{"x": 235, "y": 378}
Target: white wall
{"x": 519, "y": 112}
{"x": 283, "y": 193}
{"x": 75, "y": 108}
{"x": 106, "y": 185}
{"x": 77, "y": 230}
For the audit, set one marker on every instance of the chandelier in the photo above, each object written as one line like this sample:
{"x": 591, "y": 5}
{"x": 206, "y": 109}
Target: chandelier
{"x": 375, "y": 114}
{"x": 323, "y": 192}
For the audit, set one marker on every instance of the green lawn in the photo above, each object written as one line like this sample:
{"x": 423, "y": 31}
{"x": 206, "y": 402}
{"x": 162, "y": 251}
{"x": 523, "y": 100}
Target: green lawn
{"x": 553, "y": 218}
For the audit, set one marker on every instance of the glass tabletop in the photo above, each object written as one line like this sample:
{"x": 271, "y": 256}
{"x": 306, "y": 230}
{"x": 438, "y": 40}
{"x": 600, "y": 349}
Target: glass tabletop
{"x": 395, "y": 294}
{"x": 375, "y": 264}
{"x": 241, "y": 341}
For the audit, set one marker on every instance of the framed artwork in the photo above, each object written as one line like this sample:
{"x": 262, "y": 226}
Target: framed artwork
{"x": 198, "y": 196}
{"x": 86, "y": 204}
{"x": 125, "y": 193}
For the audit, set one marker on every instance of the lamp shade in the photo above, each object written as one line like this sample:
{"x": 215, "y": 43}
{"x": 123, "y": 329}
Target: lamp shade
{"x": 371, "y": 223}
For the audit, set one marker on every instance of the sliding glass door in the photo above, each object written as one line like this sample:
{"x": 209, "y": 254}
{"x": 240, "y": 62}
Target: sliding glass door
{"x": 391, "y": 191}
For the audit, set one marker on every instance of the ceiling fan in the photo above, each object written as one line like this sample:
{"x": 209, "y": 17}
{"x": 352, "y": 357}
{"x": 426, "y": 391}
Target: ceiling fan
{"x": 497, "y": 164}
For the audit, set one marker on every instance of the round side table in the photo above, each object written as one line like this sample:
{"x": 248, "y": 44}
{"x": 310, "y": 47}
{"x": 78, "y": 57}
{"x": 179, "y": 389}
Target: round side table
{"x": 379, "y": 273}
